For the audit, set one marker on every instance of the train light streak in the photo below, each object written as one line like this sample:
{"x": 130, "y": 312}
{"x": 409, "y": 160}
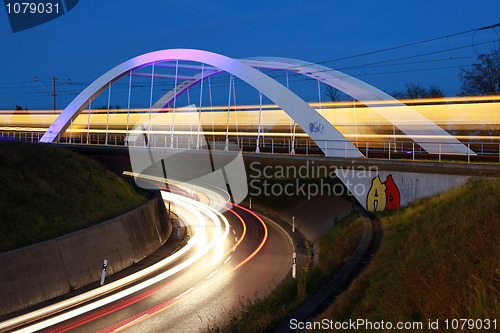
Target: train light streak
{"x": 451, "y": 111}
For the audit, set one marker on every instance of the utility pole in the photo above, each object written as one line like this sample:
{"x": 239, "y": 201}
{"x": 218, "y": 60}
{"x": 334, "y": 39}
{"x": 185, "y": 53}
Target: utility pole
{"x": 53, "y": 91}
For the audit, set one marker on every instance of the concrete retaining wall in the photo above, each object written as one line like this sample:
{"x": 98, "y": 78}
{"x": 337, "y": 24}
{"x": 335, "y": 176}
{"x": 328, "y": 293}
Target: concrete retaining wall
{"x": 378, "y": 191}
{"x": 45, "y": 270}
{"x": 312, "y": 217}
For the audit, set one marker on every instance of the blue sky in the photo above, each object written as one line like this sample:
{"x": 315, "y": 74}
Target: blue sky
{"x": 98, "y": 35}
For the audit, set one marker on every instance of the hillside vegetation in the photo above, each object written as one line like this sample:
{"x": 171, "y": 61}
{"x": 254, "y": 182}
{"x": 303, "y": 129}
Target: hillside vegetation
{"x": 47, "y": 191}
{"x": 439, "y": 259}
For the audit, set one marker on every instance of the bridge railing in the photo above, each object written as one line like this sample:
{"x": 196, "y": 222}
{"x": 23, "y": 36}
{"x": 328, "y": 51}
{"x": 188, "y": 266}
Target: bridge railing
{"x": 477, "y": 151}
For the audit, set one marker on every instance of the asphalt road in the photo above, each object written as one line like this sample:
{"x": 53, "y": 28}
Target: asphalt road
{"x": 206, "y": 293}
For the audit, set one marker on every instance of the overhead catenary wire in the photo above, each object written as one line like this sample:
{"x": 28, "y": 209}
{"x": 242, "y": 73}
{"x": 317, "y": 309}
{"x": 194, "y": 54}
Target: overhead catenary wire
{"x": 359, "y": 54}
{"x": 384, "y": 63}
{"x": 366, "y": 65}
{"x": 29, "y": 89}
{"x": 405, "y": 45}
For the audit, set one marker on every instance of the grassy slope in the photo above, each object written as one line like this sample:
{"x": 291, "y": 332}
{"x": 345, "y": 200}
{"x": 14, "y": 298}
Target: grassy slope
{"x": 439, "y": 258}
{"x": 48, "y": 191}
{"x": 263, "y": 314}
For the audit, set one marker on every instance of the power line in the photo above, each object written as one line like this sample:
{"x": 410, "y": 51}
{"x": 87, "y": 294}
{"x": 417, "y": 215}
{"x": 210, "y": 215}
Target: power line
{"x": 382, "y": 63}
{"x": 368, "y": 65}
{"x": 387, "y": 61}
{"x": 299, "y": 78}
{"x": 405, "y": 45}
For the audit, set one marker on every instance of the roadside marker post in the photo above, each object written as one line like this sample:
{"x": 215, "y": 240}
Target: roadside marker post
{"x": 293, "y": 223}
{"x": 294, "y": 265}
{"x": 250, "y": 203}
{"x": 103, "y": 275}
{"x": 179, "y": 229}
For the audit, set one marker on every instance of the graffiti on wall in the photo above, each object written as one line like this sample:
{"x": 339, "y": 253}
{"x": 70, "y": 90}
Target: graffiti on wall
{"x": 381, "y": 190}
{"x": 383, "y": 196}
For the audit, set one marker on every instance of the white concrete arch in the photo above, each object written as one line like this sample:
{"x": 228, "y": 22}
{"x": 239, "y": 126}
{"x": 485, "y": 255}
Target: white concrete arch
{"x": 420, "y": 129}
{"x": 329, "y": 139}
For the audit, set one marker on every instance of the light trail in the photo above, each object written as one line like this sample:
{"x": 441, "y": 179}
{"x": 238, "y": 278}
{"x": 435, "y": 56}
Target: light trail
{"x": 151, "y": 312}
{"x": 469, "y": 119}
{"x": 208, "y": 277}
{"x": 106, "y": 311}
{"x": 208, "y": 211}
{"x": 184, "y": 293}
{"x": 269, "y": 135}
{"x": 478, "y": 110}
{"x": 148, "y": 313}
{"x": 243, "y": 224}
{"x": 129, "y": 324}
{"x": 264, "y": 239}
{"x": 212, "y": 196}
{"x": 189, "y": 205}
{"x": 459, "y": 99}
{"x": 143, "y": 315}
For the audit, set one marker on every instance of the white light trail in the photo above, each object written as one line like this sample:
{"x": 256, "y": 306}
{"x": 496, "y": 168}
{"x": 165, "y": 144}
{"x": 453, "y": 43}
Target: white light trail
{"x": 194, "y": 208}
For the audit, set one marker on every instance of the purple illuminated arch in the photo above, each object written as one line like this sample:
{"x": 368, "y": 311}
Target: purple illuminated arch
{"x": 330, "y": 140}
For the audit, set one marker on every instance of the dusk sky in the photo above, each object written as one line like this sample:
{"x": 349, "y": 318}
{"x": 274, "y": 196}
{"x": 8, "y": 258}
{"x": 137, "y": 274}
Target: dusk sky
{"x": 97, "y": 35}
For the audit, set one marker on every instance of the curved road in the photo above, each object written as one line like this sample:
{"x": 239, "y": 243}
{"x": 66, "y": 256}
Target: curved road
{"x": 254, "y": 256}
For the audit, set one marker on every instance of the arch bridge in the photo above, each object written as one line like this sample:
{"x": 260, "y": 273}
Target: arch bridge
{"x": 331, "y": 141}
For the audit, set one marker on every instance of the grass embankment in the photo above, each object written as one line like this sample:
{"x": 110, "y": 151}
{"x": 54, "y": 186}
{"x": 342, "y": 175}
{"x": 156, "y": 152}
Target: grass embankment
{"x": 265, "y": 313}
{"x": 48, "y": 191}
{"x": 439, "y": 259}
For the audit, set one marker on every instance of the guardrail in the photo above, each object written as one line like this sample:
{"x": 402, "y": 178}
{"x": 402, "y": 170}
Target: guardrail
{"x": 485, "y": 151}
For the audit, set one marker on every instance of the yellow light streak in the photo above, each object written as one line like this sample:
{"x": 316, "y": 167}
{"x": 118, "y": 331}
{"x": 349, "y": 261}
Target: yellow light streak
{"x": 364, "y": 123}
{"x": 459, "y": 99}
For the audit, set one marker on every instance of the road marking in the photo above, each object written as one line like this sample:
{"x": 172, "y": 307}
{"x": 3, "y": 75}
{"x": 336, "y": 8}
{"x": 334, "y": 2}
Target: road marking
{"x": 227, "y": 259}
{"x": 208, "y": 277}
{"x": 234, "y": 232}
{"x": 236, "y": 239}
{"x": 184, "y": 293}
{"x": 243, "y": 233}
{"x": 130, "y": 324}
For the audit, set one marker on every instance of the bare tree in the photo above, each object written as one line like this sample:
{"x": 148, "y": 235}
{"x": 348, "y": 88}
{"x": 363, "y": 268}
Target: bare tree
{"x": 435, "y": 91}
{"x": 484, "y": 76}
{"x": 332, "y": 93}
{"x": 19, "y": 109}
{"x": 416, "y": 91}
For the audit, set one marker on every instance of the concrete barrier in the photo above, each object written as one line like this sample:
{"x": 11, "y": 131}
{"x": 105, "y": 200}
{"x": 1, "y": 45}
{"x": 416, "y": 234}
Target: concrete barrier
{"x": 45, "y": 270}
{"x": 312, "y": 217}
{"x": 378, "y": 191}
